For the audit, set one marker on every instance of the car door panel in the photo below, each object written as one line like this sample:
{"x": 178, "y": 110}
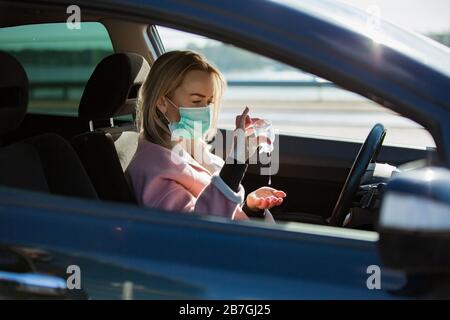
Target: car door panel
{"x": 175, "y": 256}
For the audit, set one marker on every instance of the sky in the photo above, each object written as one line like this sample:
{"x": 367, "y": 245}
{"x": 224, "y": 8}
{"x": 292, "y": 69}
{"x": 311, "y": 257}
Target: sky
{"x": 422, "y": 16}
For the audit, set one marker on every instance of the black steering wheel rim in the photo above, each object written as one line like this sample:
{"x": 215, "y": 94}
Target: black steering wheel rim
{"x": 367, "y": 154}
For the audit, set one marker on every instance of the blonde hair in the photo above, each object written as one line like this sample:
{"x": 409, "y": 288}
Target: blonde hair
{"x": 167, "y": 74}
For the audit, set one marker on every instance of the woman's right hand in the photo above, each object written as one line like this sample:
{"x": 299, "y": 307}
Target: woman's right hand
{"x": 243, "y": 120}
{"x": 243, "y": 150}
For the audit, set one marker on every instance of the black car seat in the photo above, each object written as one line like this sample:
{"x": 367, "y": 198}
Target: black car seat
{"x": 45, "y": 163}
{"x": 107, "y": 150}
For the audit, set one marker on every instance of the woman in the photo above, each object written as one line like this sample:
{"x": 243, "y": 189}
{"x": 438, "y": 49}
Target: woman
{"x": 173, "y": 168}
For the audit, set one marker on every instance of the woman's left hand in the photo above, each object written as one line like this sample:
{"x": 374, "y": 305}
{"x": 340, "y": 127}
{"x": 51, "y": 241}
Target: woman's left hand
{"x": 265, "y": 198}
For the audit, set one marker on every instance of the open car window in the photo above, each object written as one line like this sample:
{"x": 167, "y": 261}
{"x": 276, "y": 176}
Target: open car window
{"x": 57, "y": 60}
{"x": 297, "y": 103}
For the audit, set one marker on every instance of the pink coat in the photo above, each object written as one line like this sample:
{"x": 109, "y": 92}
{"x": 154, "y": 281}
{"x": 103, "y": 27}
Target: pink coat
{"x": 162, "y": 178}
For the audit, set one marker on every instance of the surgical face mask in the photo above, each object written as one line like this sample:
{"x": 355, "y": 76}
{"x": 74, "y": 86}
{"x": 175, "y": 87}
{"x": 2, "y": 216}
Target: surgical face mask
{"x": 194, "y": 122}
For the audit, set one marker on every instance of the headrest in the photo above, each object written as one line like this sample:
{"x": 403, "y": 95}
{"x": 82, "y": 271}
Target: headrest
{"x": 113, "y": 87}
{"x": 13, "y": 93}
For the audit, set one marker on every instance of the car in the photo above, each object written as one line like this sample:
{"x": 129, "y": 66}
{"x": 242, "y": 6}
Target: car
{"x": 344, "y": 232}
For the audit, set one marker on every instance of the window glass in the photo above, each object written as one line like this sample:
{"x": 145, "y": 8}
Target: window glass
{"x": 297, "y": 103}
{"x": 58, "y": 61}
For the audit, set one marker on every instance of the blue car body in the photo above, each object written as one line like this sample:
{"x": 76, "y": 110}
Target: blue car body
{"x": 171, "y": 256}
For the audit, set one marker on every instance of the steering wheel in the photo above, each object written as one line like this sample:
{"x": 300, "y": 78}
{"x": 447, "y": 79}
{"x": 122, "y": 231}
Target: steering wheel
{"x": 367, "y": 154}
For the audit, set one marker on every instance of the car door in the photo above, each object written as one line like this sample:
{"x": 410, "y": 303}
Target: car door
{"x": 126, "y": 252}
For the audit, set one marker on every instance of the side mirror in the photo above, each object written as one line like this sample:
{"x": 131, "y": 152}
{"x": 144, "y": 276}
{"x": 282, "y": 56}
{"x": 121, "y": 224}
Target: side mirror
{"x": 414, "y": 223}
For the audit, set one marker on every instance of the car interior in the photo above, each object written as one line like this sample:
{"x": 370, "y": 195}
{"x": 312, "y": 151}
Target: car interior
{"x": 86, "y": 156}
